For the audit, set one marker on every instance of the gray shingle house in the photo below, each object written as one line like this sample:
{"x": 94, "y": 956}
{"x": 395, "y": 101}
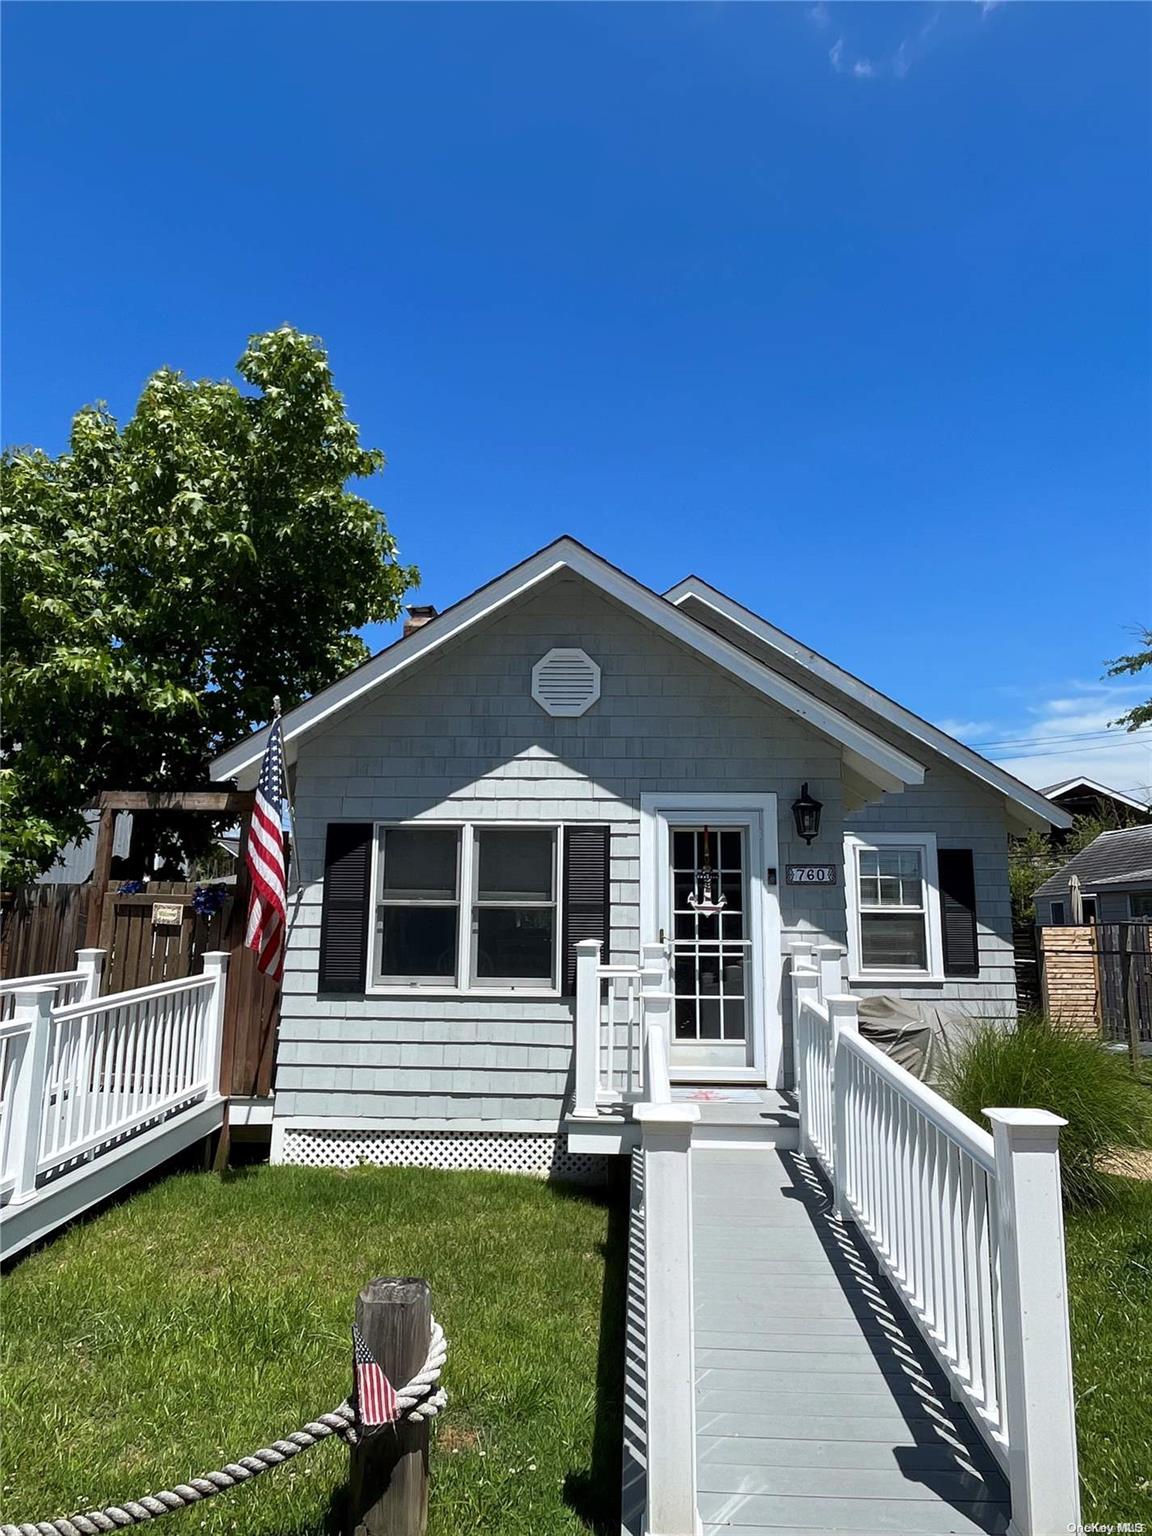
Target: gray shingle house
{"x": 1115, "y": 874}
{"x": 564, "y": 756}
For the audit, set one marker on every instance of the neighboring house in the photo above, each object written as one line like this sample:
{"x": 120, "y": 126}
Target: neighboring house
{"x": 1085, "y": 797}
{"x": 76, "y": 860}
{"x": 1115, "y": 874}
{"x": 567, "y": 755}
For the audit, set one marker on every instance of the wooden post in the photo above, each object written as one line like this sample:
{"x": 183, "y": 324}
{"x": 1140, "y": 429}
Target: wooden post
{"x": 101, "y": 874}
{"x": 1042, "y": 1465}
{"x": 388, "y": 1485}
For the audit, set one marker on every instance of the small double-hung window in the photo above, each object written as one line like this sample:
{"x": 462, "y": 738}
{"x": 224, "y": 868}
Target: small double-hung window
{"x": 893, "y": 905}
{"x": 514, "y": 913}
{"x": 467, "y": 907}
{"x": 418, "y": 921}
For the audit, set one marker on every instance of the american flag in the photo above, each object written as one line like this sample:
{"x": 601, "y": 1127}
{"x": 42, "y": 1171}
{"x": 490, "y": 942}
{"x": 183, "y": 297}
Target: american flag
{"x": 265, "y": 861}
{"x": 375, "y": 1398}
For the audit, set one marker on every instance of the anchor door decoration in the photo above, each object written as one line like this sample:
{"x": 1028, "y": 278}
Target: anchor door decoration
{"x": 707, "y": 899}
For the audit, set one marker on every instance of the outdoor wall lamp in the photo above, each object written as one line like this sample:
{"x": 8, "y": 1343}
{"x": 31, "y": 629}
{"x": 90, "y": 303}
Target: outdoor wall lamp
{"x": 807, "y": 810}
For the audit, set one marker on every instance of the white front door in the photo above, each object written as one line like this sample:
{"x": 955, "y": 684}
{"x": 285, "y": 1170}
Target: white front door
{"x": 706, "y": 889}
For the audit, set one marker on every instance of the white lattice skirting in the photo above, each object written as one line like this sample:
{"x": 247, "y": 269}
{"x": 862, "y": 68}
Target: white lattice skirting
{"x": 538, "y": 1156}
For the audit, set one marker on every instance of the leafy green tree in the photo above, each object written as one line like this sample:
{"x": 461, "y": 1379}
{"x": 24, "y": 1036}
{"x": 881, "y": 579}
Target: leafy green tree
{"x": 165, "y": 579}
{"x": 1140, "y": 714}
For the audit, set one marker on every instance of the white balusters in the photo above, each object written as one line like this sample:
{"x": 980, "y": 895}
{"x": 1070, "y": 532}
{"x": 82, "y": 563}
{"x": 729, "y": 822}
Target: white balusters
{"x": 969, "y": 1230}
{"x": 78, "y": 1076}
{"x": 614, "y": 1006}
{"x": 670, "y": 1397}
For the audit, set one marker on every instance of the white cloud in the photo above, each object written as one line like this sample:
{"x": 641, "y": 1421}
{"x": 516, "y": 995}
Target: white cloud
{"x": 966, "y": 730}
{"x": 1068, "y": 735}
{"x": 847, "y": 59}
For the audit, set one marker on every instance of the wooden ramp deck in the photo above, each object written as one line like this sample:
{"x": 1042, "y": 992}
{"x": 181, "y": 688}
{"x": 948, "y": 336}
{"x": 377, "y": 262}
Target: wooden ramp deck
{"x": 818, "y": 1406}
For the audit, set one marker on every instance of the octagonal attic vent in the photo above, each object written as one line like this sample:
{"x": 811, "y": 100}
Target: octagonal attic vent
{"x": 566, "y": 682}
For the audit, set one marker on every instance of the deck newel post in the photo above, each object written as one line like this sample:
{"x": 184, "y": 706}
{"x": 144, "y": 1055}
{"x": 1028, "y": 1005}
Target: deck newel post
{"x": 670, "y": 1375}
{"x": 655, "y": 1003}
{"x": 805, "y": 988}
{"x": 25, "y": 1110}
{"x": 828, "y": 958}
{"x": 91, "y": 963}
{"x": 216, "y": 966}
{"x": 388, "y": 1485}
{"x": 843, "y": 1012}
{"x": 1042, "y": 1466}
{"x": 587, "y": 1042}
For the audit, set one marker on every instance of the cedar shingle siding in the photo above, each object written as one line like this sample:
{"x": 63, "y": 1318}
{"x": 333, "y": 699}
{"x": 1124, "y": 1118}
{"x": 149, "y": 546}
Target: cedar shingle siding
{"x": 460, "y": 736}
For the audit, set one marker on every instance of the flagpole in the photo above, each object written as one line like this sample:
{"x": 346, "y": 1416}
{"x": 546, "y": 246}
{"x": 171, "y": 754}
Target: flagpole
{"x": 291, "y": 808}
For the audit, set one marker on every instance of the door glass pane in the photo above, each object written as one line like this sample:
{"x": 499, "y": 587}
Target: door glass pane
{"x": 515, "y": 942}
{"x": 888, "y": 940}
{"x": 709, "y": 955}
{"x": 418, "y": 941}
{"x": 420, "y": 863}
{"x": 514, "y": 866}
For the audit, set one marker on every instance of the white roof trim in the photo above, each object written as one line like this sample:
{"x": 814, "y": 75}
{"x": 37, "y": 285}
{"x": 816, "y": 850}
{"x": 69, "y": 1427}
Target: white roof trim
{"x": 1099, "y": 789}
{"x": 865, "y": 753}
{"x": 1037, "y": 809}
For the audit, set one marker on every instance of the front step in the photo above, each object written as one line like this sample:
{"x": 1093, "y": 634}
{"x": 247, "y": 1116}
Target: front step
{"x": 771, "y": 1121}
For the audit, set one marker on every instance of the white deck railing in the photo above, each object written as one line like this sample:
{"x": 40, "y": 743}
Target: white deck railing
{"x": 969, "y": 1228}
{"x": 669, "y": 1349}
{"x": 615, "y": 1004}
{"x": 79, "y": 1078}
{"x": 70, "y": 986}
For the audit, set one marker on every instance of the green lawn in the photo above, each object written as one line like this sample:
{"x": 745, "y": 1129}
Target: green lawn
{"x": 1110, "y": 1282}
{"x": 206, "y": 1315}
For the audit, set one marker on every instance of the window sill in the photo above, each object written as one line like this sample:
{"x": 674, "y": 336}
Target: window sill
{"x": 491, "y": 993}
{"x": 905, "y": 978}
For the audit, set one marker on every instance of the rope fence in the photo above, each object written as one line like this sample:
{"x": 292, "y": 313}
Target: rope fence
{"x": 420, "y": 1400}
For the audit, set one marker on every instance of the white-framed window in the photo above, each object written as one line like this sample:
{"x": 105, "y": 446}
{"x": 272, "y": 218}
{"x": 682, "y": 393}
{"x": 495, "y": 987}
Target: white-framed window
{"x": 467, "y": 907}
{"x": 893, "y": 907}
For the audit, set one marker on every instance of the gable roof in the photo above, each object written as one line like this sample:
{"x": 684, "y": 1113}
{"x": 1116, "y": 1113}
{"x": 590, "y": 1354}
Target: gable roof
{"x": 1090, "y": 787}
{"x": 1030, "y": 806}
{"x": 1113, "y": 858}
{"x": 868, "y": 755}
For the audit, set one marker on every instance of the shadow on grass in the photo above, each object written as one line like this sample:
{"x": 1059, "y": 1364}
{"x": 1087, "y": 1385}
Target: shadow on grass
{"x": 593, "y": 1492}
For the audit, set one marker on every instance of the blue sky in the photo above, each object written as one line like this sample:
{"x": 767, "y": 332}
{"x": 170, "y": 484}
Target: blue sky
{"x": 844, "y": 307}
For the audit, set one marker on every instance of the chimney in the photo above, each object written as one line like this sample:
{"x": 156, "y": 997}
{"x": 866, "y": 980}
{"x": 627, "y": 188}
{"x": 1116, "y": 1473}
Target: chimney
{"x": 418, "y": 616}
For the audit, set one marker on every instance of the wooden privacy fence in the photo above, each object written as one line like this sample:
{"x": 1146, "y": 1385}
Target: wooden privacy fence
{"x": 41, "y": 928}
{"x": 1124, "y": 968}
{"x": 1098, "y": 977}
{"x": 146, "y": 945}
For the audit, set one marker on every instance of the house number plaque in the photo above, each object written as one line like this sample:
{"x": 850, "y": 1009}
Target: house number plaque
{"x": 810, "y": 874}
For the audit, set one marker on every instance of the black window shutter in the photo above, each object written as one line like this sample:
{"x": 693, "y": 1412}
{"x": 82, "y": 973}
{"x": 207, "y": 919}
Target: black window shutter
{"x": 958, "y": 912}
{"x": 344, "y": 917}
{"x": 585, "y": 894}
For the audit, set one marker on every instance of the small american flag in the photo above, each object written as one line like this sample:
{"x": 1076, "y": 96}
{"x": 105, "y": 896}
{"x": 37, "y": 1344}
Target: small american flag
{"x": 375, "y": 1399}
{"x": 265, "y": 861}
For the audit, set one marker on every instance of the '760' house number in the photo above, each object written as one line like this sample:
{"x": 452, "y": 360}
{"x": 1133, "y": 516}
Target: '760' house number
{"x": 810, "y": 874}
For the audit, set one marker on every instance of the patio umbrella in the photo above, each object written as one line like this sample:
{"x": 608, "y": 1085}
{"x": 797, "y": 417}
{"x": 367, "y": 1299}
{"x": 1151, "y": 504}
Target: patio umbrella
{"x": 1075, "y": 900}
